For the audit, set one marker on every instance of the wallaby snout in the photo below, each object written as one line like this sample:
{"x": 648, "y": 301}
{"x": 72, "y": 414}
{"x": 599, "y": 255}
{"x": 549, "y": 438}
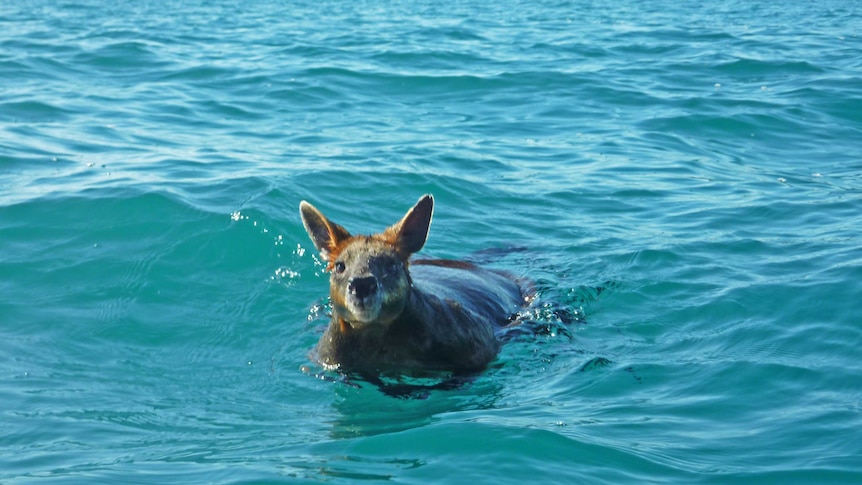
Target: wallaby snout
{"x": 363, "y": 287}
{"x": 372, "y": 288}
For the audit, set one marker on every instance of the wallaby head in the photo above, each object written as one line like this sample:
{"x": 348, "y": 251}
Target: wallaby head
{"x": 369, "y": 283}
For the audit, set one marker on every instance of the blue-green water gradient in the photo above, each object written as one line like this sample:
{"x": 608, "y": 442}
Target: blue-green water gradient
{"x": 681, "y": 181}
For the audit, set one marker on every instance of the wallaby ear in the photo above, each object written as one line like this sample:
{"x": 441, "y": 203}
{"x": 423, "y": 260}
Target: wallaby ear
{"x": 325, "y": 234}
{"x": 409, "y": 234}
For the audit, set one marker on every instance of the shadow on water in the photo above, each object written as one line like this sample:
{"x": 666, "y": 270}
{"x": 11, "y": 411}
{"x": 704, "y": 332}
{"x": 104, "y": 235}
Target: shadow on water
{"x": 365, "y": 408}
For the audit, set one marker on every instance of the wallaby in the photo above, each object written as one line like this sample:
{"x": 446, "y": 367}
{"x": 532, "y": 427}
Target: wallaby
{"x": 391, "y": 314}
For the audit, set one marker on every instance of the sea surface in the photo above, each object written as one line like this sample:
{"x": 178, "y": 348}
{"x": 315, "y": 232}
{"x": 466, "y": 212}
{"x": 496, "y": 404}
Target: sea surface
{"x": 680, "y": 181}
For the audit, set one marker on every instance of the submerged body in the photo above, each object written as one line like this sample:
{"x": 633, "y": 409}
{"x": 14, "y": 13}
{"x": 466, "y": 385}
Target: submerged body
{"x": 393, "y": 315}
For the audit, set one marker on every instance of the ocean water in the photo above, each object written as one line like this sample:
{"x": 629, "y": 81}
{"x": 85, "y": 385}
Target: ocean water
{"x": 681, "y": 181}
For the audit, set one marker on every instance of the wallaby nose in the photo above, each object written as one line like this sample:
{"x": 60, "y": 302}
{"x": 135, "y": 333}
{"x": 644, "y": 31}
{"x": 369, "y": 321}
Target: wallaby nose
{"x": 362, "y": 287}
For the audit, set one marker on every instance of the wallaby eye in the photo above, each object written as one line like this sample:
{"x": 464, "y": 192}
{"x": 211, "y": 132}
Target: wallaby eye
{"x": 339, "y": 267}
{"x": 393, "y": 268}
{"x": 390, "y": 269}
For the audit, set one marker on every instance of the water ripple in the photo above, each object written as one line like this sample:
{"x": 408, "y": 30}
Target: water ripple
{"x": 684, "y": 181}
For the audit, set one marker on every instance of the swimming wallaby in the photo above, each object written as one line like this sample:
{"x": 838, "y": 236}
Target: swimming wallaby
{"x": 391, "y": 314}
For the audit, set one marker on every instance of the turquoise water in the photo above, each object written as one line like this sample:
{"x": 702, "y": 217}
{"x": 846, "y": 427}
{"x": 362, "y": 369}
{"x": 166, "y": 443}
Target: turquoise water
{"x": 681, "y": 181}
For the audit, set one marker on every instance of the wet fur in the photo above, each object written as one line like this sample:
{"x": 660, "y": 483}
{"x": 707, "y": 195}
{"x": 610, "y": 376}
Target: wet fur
{"x": 393, "y": 314}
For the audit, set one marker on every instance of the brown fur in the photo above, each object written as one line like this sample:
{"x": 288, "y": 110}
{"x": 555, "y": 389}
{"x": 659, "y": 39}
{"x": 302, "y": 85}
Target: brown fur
{"x": 391, "y": 314}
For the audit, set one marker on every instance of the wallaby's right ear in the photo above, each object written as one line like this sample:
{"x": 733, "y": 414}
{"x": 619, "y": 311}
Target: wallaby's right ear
{"x": 325, "y": 234}
{"x": 409, "y": 234}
